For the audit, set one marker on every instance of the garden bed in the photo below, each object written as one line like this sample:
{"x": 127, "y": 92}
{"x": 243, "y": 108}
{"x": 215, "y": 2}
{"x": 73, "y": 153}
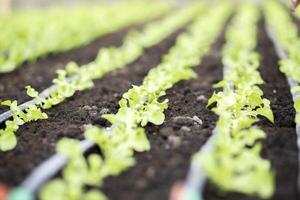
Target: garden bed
{"x": 188, "y": 125}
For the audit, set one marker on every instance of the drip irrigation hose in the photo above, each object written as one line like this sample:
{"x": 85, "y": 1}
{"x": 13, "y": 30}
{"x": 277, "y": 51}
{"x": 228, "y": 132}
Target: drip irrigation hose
{"x": 292, "y": 83}
{"x": 196, "y": 178}
{"x": 44, "y": 172}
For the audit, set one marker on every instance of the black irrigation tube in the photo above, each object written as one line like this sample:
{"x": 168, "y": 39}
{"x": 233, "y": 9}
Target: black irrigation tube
{"x": 49, "y": 169}
{"x": 292, "y": 83}
{"x": 29, "y": 188}
{"x": 196, "y": 178}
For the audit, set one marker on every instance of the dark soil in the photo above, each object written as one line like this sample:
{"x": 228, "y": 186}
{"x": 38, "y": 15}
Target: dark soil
{"x": 281, "y": 144}
{"x": 173, "y": 143}
{"x": 36, "y": 141}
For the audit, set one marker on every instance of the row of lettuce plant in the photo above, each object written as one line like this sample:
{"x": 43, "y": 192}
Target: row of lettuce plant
{"x": 27, "y": 35}
{"x": 287, "y": 47}
{"x": 138, "y": 107}
{"x": 233, "y": 161}
{"x": 75, "y": 78}
{"x": 288, "y": 40}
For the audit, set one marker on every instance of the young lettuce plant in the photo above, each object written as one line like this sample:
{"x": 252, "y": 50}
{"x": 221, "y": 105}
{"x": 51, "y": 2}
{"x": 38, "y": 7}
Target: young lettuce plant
{"x": 289, "y": 41}
{"x": 75, "y": 78}
{"x": 72, "y": 186}
{"x": 234, "y": 162}
{"x": 287, "y": 46}
{"x": 8, "y": 139}
{"x": 138, "y": 107}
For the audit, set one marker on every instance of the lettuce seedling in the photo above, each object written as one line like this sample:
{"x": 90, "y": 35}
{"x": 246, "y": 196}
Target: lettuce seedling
{"x": 234, "y": 162}
{"x": 7, "y": 136}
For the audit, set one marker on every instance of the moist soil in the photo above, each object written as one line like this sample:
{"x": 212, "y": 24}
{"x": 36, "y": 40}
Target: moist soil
{"x": 36, "y": 141}
{"x": 189, "y": 123}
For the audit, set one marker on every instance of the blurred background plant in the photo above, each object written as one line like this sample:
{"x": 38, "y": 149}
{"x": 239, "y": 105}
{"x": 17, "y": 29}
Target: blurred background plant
{"x": 7, "y": 6}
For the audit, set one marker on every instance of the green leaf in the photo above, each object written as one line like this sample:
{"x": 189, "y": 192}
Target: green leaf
{"x": 33, "y": 113}
{"x": 297, "y": 105}
{"x": 117, "y": 164}
{"x": 153, "y": 114}
{"x": 95, "y": 163}
{"x": 31, "y": 92}
{"x": 214, "y": 98}
{"x": 138, "y": 140}
{"x": 72, "y": 68}
{"x": 266, "y": 111}
{"x": 6, "y": 103}
{"x": 54, "y": 189}
{"x": 297, "y": 118}
{"x": 8, "y": 140}
{"x": 295, "y": 90}
{"x": 94, "y": 195}
{"x": 68, "y": 147}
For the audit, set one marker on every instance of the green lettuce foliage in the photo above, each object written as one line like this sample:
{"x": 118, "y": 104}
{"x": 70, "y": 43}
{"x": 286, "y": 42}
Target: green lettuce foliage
{"x": 8, "y": 139}
{"x": 235, "y": 163}
{"x": 60, "y": 29}
{"x": 111, "y": 58}
{"x": 138, "y": 107}
{"x": 289, "y": 41}
{"x": 78, "y": 172}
